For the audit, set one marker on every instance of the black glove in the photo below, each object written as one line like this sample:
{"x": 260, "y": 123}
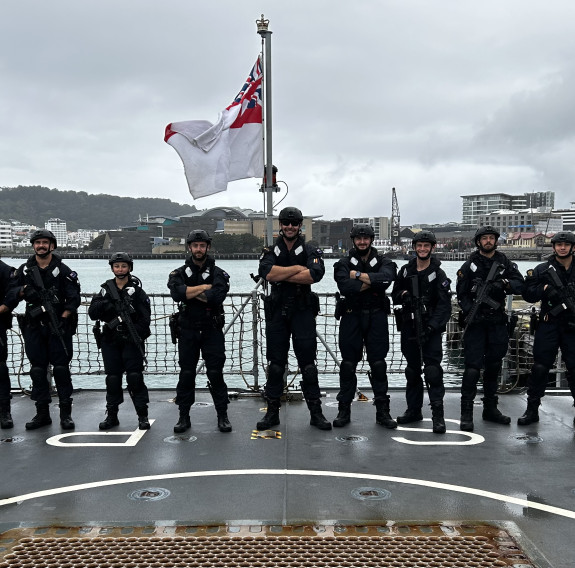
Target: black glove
{"x": 499, "y": 285}
{"x": 31, "y": 294}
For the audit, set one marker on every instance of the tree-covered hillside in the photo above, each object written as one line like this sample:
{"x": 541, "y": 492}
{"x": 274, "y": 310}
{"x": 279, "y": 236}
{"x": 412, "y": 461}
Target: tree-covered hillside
{"x": 80, "y": 210}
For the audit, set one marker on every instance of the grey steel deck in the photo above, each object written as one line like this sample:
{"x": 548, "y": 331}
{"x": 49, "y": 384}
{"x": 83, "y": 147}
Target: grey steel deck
{"x": 363, "y": 474}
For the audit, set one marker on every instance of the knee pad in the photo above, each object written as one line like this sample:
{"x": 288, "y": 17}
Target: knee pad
{"x": 215, "y": 377}
{"x": 539, "y": 371}
{"x": 113, "y": 380}
{"x": 433, "y": 374}
{"x": 347, "y": 369}
{"x": 134, "y": 379}
{"x": 412, "y": 374}
{"x": 61, "y": 372}
{"x": 276, "y": 371}
{"x": 309, "y": 372}
{"x": 379, "y": 369}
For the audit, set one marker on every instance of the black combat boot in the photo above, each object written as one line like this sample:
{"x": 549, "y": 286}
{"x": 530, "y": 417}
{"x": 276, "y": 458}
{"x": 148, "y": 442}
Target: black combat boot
{"x": 224, "y": 425}
{"x": 466, "y": 423}
{"x": 437, "y": 417}
{"x": 111, "y": 419}
{"x": 42, "y": 417}
{"x": 317, "y": 418}
{"x": 531, "y": 413}
{"x": 5, "y": 416}
{"x": 183, "y": 421}
{"x": 410, "y": 415}
{"x": 66, "y": 421}
{"x": 343, "y": 415}
{"x": 382, "y": 415}
{"x": 491, "y": 413}
{"x": 143, "y": 423}
{"x": 272, "y": 415}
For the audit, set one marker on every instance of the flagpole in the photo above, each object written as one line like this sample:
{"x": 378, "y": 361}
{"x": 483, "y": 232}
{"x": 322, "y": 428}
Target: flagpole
{"x": 267, "y": 99}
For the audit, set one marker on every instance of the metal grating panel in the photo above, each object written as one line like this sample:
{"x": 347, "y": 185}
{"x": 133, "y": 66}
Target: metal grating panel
{"x": 390, "y": 546}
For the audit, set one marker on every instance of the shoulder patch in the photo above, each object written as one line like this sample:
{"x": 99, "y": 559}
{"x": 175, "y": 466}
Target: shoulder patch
{"x": 460, "y": 274}
{"x": 446, "y": 283}
{"x": 530, "y": 273}
{"x": 173, "y": 273}
{"x": 319, "y": 252}
{"x": 226, "y": 275}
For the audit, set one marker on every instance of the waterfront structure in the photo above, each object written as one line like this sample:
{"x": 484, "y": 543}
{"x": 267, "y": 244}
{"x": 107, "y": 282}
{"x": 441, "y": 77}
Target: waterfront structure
{"x": 485, "y": 203}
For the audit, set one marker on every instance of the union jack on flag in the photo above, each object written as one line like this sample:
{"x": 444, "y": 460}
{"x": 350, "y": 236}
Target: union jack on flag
{"x": 250, "y": 98}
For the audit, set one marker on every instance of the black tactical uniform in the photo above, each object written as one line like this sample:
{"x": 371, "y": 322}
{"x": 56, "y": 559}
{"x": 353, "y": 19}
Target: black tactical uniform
{"x": 363, "y": 323}
{"x": 555, "y": 329}
{"x": 434, "y": 294}
{"x": 200, "y": 329}
{"x": 121, "y": 352}
{"x": 7, "y": 278}
{"x": 290, "y": 311}
{"x": 487, "y": 337}
{"x": 43, "y": 346}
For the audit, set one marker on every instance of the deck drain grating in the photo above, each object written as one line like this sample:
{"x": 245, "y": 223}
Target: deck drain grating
{"x": 400, "y": 546}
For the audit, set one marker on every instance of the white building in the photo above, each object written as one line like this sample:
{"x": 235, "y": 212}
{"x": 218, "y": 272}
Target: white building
{"x": 380, "y": 226}
{"x": 5, "y": 235}
{"x": 58, "y": 227}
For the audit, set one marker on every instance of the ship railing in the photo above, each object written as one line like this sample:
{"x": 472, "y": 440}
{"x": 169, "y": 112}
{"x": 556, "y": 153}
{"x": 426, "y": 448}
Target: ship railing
{"x": 246, "y": 350}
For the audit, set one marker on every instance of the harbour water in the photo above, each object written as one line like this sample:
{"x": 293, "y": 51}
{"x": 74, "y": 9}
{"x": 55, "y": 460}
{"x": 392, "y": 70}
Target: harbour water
{"x": 154, "y": 273}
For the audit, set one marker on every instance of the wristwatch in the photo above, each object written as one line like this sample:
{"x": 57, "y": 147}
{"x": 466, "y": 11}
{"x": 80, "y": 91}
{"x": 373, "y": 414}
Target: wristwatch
{"x": 357, "y": 275}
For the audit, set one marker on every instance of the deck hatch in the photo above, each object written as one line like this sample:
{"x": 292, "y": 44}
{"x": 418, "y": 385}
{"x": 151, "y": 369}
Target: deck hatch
{"x": 302, "y": 546}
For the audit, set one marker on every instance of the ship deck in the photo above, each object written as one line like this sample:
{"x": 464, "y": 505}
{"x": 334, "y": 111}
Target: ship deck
{"x": 519, "y": 480}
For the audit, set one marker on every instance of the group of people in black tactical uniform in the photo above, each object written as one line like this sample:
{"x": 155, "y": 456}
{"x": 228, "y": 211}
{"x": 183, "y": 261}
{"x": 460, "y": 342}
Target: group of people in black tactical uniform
{"x": 421, "y": 295}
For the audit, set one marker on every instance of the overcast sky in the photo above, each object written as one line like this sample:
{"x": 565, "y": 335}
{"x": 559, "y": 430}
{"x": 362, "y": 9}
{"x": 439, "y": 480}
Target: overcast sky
{"x": 436, "y": 98}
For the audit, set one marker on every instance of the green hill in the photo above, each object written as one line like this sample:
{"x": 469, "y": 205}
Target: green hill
{"x": 80, "y": 210}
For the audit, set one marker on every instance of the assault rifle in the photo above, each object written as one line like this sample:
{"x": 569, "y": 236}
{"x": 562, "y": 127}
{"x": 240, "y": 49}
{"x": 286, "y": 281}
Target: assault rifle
{"x": 482, "y": 296}
{"x": 565, "y": 295}
{"x": 47, "y": 301}
{"x": 417, "y": 311}
{"x": 124, "y": 311}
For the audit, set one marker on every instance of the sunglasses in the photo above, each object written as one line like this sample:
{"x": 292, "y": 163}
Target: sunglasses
{"x": 287, "y": 223}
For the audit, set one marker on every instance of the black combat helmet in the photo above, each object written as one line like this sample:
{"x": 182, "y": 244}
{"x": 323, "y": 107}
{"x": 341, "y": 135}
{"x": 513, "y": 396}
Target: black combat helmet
{"x": 424, "y": 237}
{"x": 43, "y": 234}
{"x": 362, "y": 230}
{"x": 122, "y": 257}
{"x": 292, "y": 214}
{"x": 198, "y": 236}
{"x": 487, "y": 230}
{"x": 563, "y": 237}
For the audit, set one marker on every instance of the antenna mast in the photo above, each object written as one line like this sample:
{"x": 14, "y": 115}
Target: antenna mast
{"x": 395, "y": 220}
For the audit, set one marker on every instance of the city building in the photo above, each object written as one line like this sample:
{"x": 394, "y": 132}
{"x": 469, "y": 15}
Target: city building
{"x": 567, "y": 216}
{"x": 381, "y": 226}
{"x": 5, "y": 235}
{"x": 508, "y": 221}
{"x": 58, "y": 228}
{"x": 483, "y": 204}
{"x": 333, "y": 235}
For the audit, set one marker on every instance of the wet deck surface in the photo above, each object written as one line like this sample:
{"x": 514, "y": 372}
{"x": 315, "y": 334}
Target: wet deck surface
{"x": 360, "y": 474}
